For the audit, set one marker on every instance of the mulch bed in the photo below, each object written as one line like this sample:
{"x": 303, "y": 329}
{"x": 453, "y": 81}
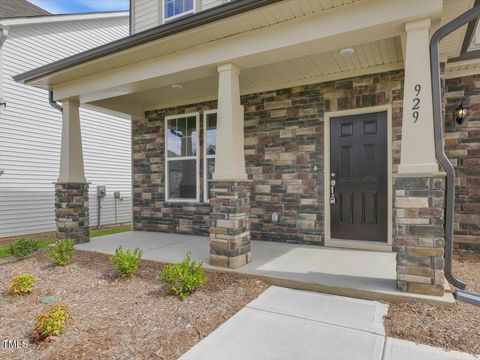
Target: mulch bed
{"x": 452, "y": 328}
{"x": 114, "y": 318}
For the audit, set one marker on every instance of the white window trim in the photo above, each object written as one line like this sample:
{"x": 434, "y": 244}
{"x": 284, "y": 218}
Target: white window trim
{"x": 205, "y": 156}
{"x": 165, "y": 19}
{"x": 197, "y": 157}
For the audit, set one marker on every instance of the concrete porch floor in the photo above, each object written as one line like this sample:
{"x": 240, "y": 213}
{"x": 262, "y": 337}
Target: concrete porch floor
{"x": 354, "y": 273}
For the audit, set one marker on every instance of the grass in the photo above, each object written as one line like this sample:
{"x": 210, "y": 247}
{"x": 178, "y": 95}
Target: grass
{"x": 95, "y": 233}
{"x": 42, "y": 244}
{"x": 46, "y": 242}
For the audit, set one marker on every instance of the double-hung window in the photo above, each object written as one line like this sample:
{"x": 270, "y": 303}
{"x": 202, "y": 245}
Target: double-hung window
{"x": 176, "y": 8}
{"x": 210, "y": 147}
{"x": 182, "y": 158}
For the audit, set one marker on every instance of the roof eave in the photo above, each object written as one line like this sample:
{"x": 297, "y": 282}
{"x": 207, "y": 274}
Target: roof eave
{"x": 183, "y": 24}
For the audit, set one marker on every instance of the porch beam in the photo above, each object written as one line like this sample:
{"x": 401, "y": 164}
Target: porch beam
{"x": 117, "y": 107}
{"x": 328, "y": 31}
{"x": 230, "y": 156}
{"x": 418, "y": 144}
{"x": 71, "y": 153}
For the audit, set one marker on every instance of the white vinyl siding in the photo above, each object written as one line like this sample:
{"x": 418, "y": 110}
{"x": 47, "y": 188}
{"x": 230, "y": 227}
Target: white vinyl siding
{"x": 30, "y": 130}
{"x": 207, "y": 4}
{"x": 147, "y": 14}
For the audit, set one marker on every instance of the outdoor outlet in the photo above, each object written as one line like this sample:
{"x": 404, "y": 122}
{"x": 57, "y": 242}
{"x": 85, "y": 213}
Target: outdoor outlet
{"x": 274, "y": 217}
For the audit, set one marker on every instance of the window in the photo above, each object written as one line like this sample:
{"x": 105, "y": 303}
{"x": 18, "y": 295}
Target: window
{"x": 210, "y": 137}
{"x": 182, "y": 158}
{"x": 176, "y": 8}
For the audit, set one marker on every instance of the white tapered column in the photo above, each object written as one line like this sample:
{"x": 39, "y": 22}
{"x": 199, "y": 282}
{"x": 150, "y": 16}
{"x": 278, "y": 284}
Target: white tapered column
{"x": 71, "y": 155}
{"x": 418, "y": 146}
{"x": 230, "y": 156}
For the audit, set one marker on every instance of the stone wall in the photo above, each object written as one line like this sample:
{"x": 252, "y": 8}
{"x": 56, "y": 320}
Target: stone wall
{"x": 462, "y": 143}
{"x": 230, "y": 223}
{"x": 150, "y": 211}
{"x": 284, "y": 145}
{"x": 71, "y": 211}
{"x": 419, "y": 233}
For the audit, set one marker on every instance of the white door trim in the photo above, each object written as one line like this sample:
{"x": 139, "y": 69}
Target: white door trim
{"x": 357, "y": 244}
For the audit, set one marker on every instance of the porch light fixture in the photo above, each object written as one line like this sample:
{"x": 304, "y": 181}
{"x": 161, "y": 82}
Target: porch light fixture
{"x": 177, "y": 86}
{"x": 347, "y": 52}
{"x": 460, "y": 114}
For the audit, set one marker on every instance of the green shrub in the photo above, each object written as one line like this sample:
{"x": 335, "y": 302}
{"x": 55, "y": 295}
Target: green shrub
{"x": 126, "y": 262}
{"x": 22, "y": 284}
{"x": 23, "y": 248}
{"x": 62, "y": 252}
{"x": 184, "y": 278}
{"x": 51, "y": 322}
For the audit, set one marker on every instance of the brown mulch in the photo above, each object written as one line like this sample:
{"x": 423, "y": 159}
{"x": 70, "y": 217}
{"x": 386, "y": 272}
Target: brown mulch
{"x": 452, "y": 328}
{"x": 113, "y": 318}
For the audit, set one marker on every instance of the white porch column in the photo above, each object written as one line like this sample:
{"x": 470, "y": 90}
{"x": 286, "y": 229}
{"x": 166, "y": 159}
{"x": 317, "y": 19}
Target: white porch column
{"x": 418, "y": 148}
{"x": 230, "y": 157}
{"x": 71, "y": 156}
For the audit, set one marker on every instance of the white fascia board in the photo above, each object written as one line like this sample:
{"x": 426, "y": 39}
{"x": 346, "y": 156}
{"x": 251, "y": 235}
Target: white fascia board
{"x": 356, "y": 24}
{"x": 60, "y": 18}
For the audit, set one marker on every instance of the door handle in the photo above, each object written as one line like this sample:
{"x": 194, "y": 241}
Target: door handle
{"x": 333, "y": 199}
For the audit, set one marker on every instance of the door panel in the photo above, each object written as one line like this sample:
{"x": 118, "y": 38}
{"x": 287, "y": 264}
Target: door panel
{"x": 359, "y": 159}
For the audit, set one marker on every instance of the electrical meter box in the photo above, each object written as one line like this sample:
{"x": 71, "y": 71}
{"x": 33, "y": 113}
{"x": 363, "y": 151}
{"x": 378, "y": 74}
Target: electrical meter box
{"x": 116, "y": 195}
{"x": 101, "y": 191}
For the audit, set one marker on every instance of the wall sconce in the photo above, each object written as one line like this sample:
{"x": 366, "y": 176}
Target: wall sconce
{"x": 460, "y": 114}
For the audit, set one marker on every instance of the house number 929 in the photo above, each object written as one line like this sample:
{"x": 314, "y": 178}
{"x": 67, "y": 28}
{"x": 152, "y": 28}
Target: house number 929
{"x": 416, "y": 103}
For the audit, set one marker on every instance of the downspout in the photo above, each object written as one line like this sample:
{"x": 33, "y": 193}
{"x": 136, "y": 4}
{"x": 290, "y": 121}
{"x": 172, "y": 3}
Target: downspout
{"x": 443, "y": 31}
{"x": 3, "y": 37}
{"x": 53, "y": 103}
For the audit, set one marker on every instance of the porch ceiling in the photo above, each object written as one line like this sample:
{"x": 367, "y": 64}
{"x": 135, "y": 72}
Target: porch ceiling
{"x": 253, "y": 20}
{"x": 381, "y": 55}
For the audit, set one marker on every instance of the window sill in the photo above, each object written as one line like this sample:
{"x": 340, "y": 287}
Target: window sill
{"x": 175, "y": 17}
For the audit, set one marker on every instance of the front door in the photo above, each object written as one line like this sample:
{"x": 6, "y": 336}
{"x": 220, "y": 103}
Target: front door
{"x": 358, "y": 175}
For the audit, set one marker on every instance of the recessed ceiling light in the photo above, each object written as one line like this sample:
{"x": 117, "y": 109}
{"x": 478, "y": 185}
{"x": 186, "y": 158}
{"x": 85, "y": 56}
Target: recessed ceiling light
{"x": 347, "y": 52}
{"x": 177, "y": 86}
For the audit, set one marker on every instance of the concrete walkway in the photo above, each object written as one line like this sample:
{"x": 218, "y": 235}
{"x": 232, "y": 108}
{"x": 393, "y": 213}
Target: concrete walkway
{"x": 286, "y": 324}
{"x": 361, "y": 274}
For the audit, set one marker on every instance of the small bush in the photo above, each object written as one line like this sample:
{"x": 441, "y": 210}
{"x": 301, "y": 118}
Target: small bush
{"x": 126, "y": 262}
{"x": 62, "y": 252}
{"x": 51, "y": 322}
{"x": 22, "y": 284}
{"x": 23, "y": 248}
{"x": 184, "y": 278}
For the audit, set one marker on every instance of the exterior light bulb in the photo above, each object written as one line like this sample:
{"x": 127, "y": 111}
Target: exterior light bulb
{"x": 460, "y": 114}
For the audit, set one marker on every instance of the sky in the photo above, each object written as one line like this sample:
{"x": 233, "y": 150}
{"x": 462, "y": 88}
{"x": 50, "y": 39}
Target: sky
{"x": 79, "y": 6}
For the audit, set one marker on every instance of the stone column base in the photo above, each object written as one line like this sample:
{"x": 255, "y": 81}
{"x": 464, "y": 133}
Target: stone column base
{"x": 229, "y": 223}
{"x": 72, "y": 212}
{"x": 419, "y": 233}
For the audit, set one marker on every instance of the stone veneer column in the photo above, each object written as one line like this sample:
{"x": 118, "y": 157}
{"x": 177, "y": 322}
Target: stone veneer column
{"x": 419, "y": 233}
{"x": 230, "y": 189}
{"x": 71, "y": 189}
{"x": 71, "y": 211}
{"x": 229, "y": 223}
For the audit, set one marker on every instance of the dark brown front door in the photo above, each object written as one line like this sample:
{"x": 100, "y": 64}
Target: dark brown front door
{"x": 358, "y": 167}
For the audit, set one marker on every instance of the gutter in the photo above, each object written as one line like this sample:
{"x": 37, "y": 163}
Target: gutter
{"x": 470, "y": 55}
{"x": 467, "y": 17}
{"x": 174, "y": 27}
